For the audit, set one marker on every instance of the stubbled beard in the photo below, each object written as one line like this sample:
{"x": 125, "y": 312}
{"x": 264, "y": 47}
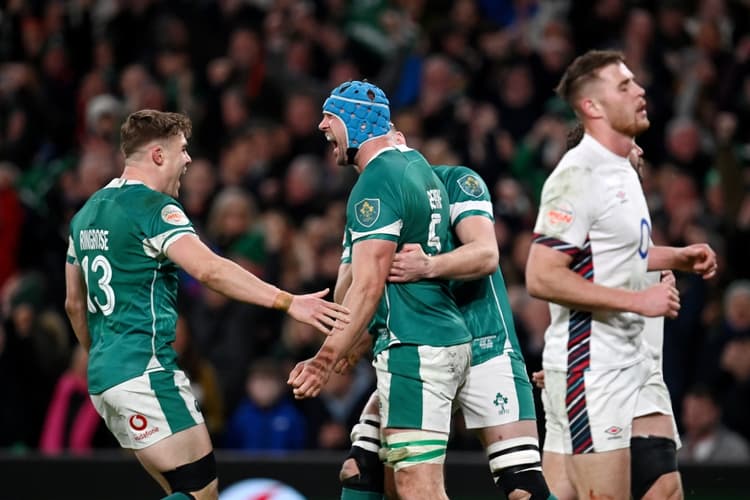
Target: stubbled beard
{"x": 634, "y": 128}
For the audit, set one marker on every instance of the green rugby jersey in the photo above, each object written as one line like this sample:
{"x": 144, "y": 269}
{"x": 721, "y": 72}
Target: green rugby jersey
{"x": 399, "y": 198}
{"x": 119, "y": 239}
{"x": 483, "y": 302}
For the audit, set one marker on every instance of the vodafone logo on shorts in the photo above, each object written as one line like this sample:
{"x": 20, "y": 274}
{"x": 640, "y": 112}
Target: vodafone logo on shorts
{"x": 137, "y": 422}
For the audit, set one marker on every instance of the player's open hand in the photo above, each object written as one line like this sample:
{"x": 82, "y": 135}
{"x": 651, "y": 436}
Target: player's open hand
{"x": 662, "y": 299}
{"x": 323, "y": 315}
{"x": 310, "y": 376}
{"x": 701, "y": 259}
{"x": 410, "y": 264}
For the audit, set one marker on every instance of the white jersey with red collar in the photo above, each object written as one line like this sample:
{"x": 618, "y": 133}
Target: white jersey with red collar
{"x": 593, "y": 209}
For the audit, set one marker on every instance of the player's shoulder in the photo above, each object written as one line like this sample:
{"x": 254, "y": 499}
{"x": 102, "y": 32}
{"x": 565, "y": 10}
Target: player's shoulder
{"x": 453, "y": 172}
{"x": 580, "y": 165}
{"x": 143, "y": 203}
{"x": 461, "y": 180}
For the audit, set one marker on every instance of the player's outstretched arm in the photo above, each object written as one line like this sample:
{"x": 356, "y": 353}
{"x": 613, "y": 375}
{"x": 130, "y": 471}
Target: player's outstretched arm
{"x": 371, "y": 261}
{"x": 75, "y": 303}
{"x": 549, "y": 277}
{"x": 476, "y": 257}
{"x": 232, "y": 280}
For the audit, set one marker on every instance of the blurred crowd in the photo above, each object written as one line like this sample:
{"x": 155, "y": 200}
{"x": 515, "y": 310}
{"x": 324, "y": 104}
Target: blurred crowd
{"x": 470, "y": 82}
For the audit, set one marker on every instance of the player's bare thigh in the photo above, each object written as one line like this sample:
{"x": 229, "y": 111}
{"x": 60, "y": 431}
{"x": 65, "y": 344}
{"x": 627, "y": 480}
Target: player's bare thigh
{"x": 418, "y": 482}
{"x": 667, "y": 486}
{"x": 559, "y": 475}
{"x": 603, "y": 475}
{"x": 181, "y": 448}
{"x": 521, "y": 428}
{"x": 655, "y": 424}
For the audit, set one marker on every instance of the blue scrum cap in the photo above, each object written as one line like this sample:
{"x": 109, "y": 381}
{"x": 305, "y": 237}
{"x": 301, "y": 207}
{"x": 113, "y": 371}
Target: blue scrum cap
{"x": 363, "y": 108}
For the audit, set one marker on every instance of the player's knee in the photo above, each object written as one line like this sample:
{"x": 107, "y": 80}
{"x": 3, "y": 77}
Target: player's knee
{"x": 366, "y": 433}
{"x": 348, "y": 469}
{"x": 666, "y": 487}
{"x": 362, "y": 471}
{"x": 516, "y": 466}
{"x": 193, "y": 477}
{"x": 651, "y": 458}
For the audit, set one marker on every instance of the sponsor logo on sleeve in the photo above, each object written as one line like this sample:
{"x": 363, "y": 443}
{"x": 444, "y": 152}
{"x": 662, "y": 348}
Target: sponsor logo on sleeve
{"x": 172, "y": 214}
{"x": 367, "y": 211}
{"x": 471, "y": 185}
{"x": 559, "y": 215}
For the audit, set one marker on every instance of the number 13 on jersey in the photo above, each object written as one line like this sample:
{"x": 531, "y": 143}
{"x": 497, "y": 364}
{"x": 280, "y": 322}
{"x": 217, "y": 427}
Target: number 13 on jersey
{"x": 99, "y": 263}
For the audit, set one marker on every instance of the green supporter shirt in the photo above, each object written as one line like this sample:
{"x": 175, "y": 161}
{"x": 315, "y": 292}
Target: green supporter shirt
{"x": 483, "y": 302}
{"x": 399, "y": 198}
{"x": 119, "y": 239}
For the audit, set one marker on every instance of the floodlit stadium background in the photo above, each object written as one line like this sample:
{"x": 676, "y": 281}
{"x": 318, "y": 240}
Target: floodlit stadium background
{"x": 470, "y": 82}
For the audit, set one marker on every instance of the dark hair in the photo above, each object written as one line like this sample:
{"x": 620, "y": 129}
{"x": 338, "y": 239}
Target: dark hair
{"x": 575, "y": 135}
{"x": 704, "y": 391}
{"x": 147, "y": 125}
{"x": 584, "y": 69}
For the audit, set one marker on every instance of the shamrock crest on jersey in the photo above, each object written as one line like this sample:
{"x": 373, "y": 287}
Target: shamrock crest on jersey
{"x": 470, "y": 185}
{"x": 367, "y": 211}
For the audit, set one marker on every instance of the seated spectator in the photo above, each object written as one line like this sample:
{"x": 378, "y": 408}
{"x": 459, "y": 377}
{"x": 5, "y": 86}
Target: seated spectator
{"x": 706, "y": 440}
{"x": 266, "y": 418}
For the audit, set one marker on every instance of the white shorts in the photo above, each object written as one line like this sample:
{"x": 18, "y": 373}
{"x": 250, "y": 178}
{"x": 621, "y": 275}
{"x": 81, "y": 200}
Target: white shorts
{"x": 655, "y": 398}
{"x": 592, "y": 411}
{"x": 417, "y": 384}
{"x": 144, "y": 410}
{"x": 496, "y": 392}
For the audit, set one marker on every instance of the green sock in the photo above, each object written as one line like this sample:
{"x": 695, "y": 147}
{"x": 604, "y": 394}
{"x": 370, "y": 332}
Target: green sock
{"x": 347, "y": 494}
{"x": 179, "y": 496}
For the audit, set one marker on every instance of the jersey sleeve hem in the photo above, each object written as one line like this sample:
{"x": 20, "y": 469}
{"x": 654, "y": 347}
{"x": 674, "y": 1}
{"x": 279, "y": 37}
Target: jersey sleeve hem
{"x": 377, "y": 236}
{"x": 471, "y": 213}
{"x": 556, "y": 244}
{"x": 174, "y": 237}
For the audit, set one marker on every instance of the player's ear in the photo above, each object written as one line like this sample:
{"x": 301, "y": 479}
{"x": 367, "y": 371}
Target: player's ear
{"x": 590, "y": 108}
{"x": 157, "y": 155}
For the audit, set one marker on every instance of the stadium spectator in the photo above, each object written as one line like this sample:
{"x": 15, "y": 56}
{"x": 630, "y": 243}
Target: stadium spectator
{"x": 706, "y": 440}
{"x": 266, "y": 418}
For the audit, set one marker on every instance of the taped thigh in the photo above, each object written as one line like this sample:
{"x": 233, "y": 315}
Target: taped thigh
{"x": 405, "y": 449}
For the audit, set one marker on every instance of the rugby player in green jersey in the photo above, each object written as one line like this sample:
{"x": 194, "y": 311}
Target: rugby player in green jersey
{"x": 125, "y": 248}
{"x": 423, "y": 349}
{"x": 496, "y": 399}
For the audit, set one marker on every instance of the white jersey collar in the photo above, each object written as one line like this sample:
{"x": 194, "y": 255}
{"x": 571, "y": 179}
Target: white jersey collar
{"x": 592, "y": 144}
{"x": 379, "y": 152}
{"x": 120, "y": 182}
